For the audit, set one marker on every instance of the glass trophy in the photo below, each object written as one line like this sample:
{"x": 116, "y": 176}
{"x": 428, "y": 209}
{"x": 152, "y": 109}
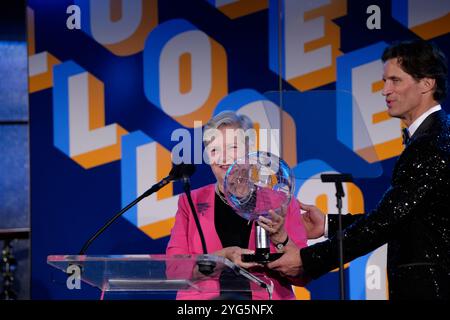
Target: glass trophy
{"x": 254, "y": 185}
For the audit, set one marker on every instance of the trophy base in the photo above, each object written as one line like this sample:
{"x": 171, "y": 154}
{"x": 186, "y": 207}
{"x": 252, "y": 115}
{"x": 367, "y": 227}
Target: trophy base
{"x": 206, "y": 267}
{"x": 261, "y": 257}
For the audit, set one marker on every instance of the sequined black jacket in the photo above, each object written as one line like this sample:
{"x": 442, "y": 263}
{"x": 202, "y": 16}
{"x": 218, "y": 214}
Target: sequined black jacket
{"x": 413, "y": 217}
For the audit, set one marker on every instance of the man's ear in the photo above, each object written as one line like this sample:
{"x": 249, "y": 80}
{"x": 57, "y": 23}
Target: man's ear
{"x": 427, "y": 84}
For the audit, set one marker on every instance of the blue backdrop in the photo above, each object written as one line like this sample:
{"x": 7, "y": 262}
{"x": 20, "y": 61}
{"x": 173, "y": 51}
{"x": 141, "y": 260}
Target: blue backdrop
{"x": 106, "y": 97}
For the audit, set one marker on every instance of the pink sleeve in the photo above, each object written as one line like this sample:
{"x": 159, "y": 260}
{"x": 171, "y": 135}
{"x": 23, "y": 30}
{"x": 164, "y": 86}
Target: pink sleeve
{"x": 297, "y": 233}
{"x": 178, "y": 243}
{"x": 294, "y": 225}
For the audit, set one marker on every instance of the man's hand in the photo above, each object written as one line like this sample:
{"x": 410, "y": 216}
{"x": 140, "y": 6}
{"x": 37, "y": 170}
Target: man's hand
{"x": 313, "y": 220}
{"x": 290, "y": 263}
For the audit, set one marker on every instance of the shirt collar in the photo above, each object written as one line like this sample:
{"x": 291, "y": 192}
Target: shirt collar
{"x": 415, "y": 125}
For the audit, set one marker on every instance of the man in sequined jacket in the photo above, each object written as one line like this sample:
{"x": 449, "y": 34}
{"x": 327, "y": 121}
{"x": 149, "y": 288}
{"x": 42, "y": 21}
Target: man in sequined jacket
{"x": 413, "y": 216}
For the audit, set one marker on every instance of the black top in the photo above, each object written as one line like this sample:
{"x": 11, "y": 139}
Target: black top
{"x": 232, "y": 229}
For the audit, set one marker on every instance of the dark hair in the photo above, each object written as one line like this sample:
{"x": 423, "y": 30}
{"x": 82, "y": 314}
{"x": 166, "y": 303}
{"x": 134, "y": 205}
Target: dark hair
{"x": 421, "y": 59}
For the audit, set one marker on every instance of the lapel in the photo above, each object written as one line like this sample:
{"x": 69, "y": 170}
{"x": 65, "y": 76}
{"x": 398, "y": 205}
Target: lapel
{"x": 205, "y": 205}
{"x": 204, "y": 202}
{"x": 431, "y": 125}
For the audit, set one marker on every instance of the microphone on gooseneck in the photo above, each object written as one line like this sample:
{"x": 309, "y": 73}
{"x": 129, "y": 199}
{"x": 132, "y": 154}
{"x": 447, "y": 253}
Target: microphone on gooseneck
{"x": 180, "y": 171}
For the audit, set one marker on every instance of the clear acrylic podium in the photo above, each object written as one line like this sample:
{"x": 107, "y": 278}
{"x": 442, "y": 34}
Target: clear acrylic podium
{"x": 161, "y": 273}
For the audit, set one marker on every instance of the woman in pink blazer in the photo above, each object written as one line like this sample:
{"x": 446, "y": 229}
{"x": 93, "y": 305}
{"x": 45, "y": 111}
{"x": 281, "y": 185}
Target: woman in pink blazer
{"x": 226, "y": 233}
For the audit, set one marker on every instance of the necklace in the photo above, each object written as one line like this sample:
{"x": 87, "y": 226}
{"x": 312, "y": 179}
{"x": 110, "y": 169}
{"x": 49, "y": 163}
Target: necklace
{"x": 244, "y": 200}
{"x": 224, "y": 200}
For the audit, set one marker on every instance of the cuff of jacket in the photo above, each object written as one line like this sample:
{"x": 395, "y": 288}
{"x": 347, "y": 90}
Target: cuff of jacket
{"x": 318, "y": 259}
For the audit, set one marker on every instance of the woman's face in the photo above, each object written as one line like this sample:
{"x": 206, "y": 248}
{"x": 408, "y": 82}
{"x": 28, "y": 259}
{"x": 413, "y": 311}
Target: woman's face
{"x": 227, "y": 146}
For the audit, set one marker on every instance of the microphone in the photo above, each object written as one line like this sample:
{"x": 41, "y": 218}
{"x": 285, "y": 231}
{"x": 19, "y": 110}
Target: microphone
{"x": 336, "y": 177}
{"x": 180, "y": 171}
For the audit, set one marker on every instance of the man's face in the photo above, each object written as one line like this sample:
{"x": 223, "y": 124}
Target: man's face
{"x": 402, "y": 91}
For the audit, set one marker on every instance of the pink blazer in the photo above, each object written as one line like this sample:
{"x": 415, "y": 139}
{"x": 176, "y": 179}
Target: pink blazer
{"x": 185, "y": 239}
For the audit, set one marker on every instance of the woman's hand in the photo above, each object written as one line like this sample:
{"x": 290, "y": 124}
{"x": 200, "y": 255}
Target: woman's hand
{"x": 274, "y": 226}
{"x": 234, "y": 254}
